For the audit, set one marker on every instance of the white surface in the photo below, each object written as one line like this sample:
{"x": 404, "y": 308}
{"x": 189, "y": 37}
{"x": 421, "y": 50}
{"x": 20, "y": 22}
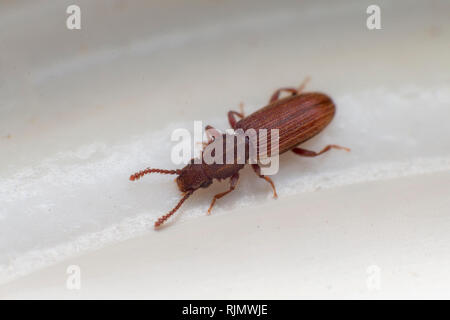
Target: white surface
{"x": 81, "y": 110}
{"x": 315, "y": 245}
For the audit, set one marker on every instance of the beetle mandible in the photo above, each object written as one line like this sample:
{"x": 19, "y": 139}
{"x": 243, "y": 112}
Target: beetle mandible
{"x": 298, "y": 117}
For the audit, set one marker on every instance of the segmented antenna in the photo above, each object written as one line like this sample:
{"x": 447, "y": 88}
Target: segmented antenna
{"x": 162, "y": 219}
{"x": 141, "y": 173}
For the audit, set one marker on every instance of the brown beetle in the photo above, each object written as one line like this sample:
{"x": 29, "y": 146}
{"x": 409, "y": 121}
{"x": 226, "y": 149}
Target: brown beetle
{"x": 298, "y": 118}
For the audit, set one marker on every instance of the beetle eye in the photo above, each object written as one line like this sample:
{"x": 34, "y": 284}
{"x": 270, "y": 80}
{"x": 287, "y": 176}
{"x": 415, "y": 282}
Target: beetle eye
{"x": 206, "y": 184}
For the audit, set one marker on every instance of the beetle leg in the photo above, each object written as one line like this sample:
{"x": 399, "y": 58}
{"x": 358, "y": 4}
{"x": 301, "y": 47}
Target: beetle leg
{"x": 276, "y": 94}
{"x": 211, "y": 132}
{"x": 231, "y": 115}
{"x": 294, "y": 91}
{"x": 233, "y": 183}
{"x": 303, "y": 85}
{"x": 308, "y": 153}
{"x": 257, "y": 170}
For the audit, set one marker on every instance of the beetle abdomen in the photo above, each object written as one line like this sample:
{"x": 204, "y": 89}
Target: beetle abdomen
{"x": 298, "y": 118}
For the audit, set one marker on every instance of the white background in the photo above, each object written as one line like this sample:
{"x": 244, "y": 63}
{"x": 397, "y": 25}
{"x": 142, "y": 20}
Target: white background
{"x": 81, "y": 110}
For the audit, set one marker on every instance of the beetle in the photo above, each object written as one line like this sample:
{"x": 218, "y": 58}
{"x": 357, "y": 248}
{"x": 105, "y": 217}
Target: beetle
{"x": 298, "y": 117}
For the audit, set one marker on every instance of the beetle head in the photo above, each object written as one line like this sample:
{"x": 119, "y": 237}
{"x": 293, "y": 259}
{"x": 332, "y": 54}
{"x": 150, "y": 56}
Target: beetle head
{"x": 192, "y": 177}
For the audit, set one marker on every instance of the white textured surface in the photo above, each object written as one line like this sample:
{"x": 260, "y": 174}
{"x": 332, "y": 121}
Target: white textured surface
{"x": 313, "y": 245}
{"x": 82, "y": 110}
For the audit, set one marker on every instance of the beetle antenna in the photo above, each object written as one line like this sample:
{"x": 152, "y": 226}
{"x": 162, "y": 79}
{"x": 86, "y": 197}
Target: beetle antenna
{"x": 162, "y": 219}
{"x": 141, "y": 173}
